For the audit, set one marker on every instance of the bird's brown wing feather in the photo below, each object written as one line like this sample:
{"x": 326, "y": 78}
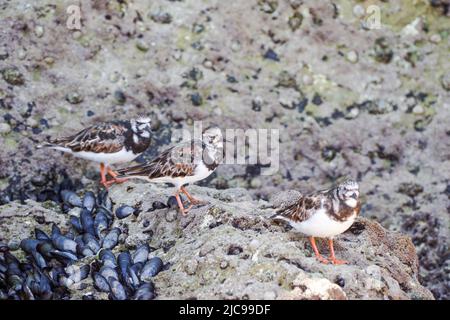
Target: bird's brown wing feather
{"x": 177, "y": 161}
{"x": 302, "y": 209}
{"x": 104, "y": 137}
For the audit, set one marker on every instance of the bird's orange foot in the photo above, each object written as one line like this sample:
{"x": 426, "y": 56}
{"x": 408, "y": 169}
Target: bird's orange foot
{"x": 322, "y": 259}
{"x": 197, "y": 202}
{"x": 337, "y": 261}
{"x": 120, "y": 180}
{"x": 105, "y": 183}
{"x": 191, "y": 199}
{"x": 108, "y": 183}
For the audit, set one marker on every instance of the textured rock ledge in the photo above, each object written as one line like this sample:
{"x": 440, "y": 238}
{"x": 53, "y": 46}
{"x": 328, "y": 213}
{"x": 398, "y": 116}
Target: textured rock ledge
{"x": 228, "y": 249}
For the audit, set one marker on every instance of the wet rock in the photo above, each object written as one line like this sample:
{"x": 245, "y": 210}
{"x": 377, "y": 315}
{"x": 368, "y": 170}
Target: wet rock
{"x": 195, "y": 74}
{"x": 421, "y": 124}
{"x": 328, "y": 153}
{"x": 161, "y": 17}
{"x": 271, "y": 55}
{"x": 295, "y": 21}
{"x": 247, "y": 242}
{"x": 196, "y": 99}
{"x": 313, "y": 288}
{"x": 287, "y": 80}
{"x": 317, "y": 99}
{"x": 352, "y": 56}
{"x": 198, "y": 28}
{"x": 295, "y": 4}
{"x": 236, "y": 46}
{"x": 5, "y": 128}
{"x": 410, "y": 189}
{"x": 3, "y": 54}
{"x": 268, "y": 6}
{"x": 120, "y": 97}
{"x": 383, "y": 52}
{"x": 445, "y": 81}
{"x": 74, "y": 97}
{"x": 142, "y": 45}
{"x": 39, "y": 31}
{"x": 376, "y": 106}
{"x": 257, "y": 104}
{"x": 13, "y": 76}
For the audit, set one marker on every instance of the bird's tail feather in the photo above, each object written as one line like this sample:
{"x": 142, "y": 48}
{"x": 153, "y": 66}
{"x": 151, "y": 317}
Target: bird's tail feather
{"x": 46, "y": 145}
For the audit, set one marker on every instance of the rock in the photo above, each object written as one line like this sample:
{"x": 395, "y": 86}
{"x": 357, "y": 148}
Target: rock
{"x": 120, "y": 97}
{"x": 13, "y": 76}
{"x": 418, "y": 109}
{"x": 5, "y": 128}
{"x": 352, "y": 56}
{"x": 17, "y": 221}
{"x": 142, "y": 45}
{"x": 98, "y": 61}
{"x": 307, "y": 80}
{"x": 235, "y": 46}
{"x": 314, "y": 288}
{"x": 161, "y": 17}
{"x": 383, "y": 52}
{"x": 352, "y": 112}
{"x": 268, "y": 6}
{"x": 410, "y": 189}
{"x": 236, "y": 236}
{"x": 435, "y": 38}
{"x": 295, "y": 21}
{"x": 196, "y": 99}
{"x": 445, "y": 81}
{"x": 359, "y": 11}
{"x": 39, "y": 31}
{"x": 295, "y": 4}
{"x": 284, "y": 198}
{"x": 328, "y": 153}
{"x": 287, "y": 80}
{"x": 271, "y": 55}
{"x": 21, "y": 54}
{"x": 3, "y": 54}
{"x": 74, "y": 97}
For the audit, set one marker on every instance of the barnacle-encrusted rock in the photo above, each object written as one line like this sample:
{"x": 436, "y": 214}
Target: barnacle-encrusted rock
{"x": 13, "y": 76}
{"x": 241, "y": 40}
{"x": 233, "y": 250}
{"x": 230, "y": 249}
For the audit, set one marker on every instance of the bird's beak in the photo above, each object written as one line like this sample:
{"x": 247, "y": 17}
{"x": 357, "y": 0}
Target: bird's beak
{"x": 354, "y": 196}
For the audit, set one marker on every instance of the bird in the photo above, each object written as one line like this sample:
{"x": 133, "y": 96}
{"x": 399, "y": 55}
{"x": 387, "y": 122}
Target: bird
{"x": 324, "y": 214}
{"x": 187, "y": 162}
{"x": 107, "y": 143}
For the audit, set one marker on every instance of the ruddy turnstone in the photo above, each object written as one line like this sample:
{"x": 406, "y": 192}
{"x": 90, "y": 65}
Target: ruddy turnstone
{"x": 185, "y": 163}
{"x": 324, "y": 214}
{"x": 107, "y": 143}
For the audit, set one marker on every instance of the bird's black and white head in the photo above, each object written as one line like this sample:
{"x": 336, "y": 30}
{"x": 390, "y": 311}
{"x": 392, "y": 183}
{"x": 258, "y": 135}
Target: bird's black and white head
{"x": 213, "y": 138}
{"x": 348, "y": 192}
{"x": 141, "y": 126}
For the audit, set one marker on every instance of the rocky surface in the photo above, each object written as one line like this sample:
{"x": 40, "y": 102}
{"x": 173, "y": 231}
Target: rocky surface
{"x": 229, "y": 249}
{"x": 348, "y": 100}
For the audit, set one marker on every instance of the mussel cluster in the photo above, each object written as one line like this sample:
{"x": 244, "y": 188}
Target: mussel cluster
{"x": 56, "y": 264}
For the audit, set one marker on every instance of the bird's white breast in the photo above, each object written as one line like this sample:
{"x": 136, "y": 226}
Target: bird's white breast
{"x": 323, "y": 226}
{"x": 107, "y": 158}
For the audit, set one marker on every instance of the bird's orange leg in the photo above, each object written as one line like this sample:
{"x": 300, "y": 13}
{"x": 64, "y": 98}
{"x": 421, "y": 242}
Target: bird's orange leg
{"x": 103, "y": 176}
{"x": 191, "y": 199}
{"x": 114, "y": 175}
{"x": 316, "y": 251}
{"x": 180, "y": 204}
{"x": 332, "y": 256}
